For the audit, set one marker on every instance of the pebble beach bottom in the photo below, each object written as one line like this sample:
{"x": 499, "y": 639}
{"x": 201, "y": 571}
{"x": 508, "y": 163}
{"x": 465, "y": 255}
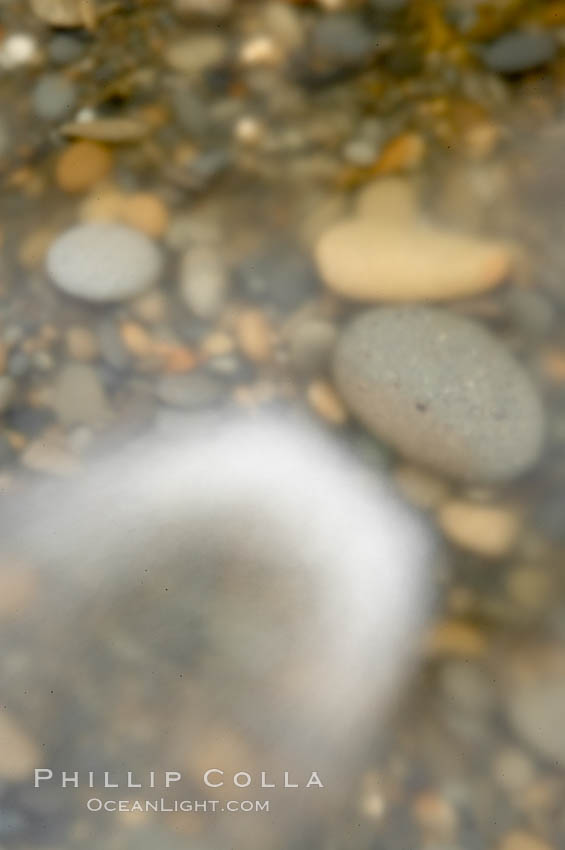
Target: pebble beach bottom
{"x": 347, "y": 214}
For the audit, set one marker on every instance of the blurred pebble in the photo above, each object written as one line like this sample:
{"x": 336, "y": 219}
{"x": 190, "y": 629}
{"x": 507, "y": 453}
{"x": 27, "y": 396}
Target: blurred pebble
{"x": 324, "y": 401}
{"x": 520, "y": 51}
{"x": 457, "y": 638}
{"x": 112, "y": 130}
{"x": 54, "y": 97}
{"x": 18, "y": 50}
{"x": 488, "y": 531}
{"x": 64, "y": 48}
{"x": 397, "y": 261}
{"x": 535, "y": 705}
{"x": 521, "y": 840}
{"x": 254, "y": 335}
{"x": 389, "y": 197}
{"x": 78, "y": 397}
{"x": 19, "y": 754}
{"x": 103, "y": 262}
{"x": 104, "y": 203}
{"x": 81, "y": 343}
{"x": 442, "y": 391}
{"x": 342, "y": 39}
{"x": 203, "y": 281}
{"x": 81, "y": 165}
{"x": 281, "y": 275}
{"x": 434, "y": 814}
{"x": 231, "y": 367}
{"x": 150, "y": 307}
{"x": 360, "y": 152}
{"x": 60, "y": 13}
{"x": 195, "y": 53}
{"x": 7, "y": 392}
{"x": 311, "y": 343}
{"x": 190, "y": 391}
{"x": 33, "y": 248}
{"x": 145, "y": 212}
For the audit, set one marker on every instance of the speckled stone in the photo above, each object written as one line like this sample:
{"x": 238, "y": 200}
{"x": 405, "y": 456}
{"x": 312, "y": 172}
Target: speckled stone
{"x": 442, "y": 391}
{"x": 103, "y": 262}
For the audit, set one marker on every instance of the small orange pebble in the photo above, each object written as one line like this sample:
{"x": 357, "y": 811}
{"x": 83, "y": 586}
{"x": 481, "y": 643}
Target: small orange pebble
{"x": 253, "y": 333}
{"x": 81, "y": 165}
{"x": 155, "y": 115}
{"x": 456, "y": 637}
{"x": 145, "y": 212}
{"x": 434, "y": 813}
{"x": 136, "y": 339}
{"x": 404, "y": 153}
{"x": 327, "y": 404}
{"x": 552, "y": 362}
{"x": 16, "y": 439}
{"x": 179, "y": 359}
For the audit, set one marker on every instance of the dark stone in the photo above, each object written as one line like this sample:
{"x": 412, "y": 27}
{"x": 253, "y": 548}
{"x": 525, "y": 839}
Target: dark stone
{"x": 520, "y": 51}
{"x": 283, "y": 275}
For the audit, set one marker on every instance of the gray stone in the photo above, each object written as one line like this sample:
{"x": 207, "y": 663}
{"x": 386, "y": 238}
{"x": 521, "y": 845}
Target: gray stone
{"x": 203, "y": 281}
{"x": 520, "y": 51}
{"x": 103, "y": 262}
{"x": 54, "y": 97}
{"x": 441, "y": 390}
{"x": 190, "y": 391}
{"x": 65, "y": 48}
{"x": 343, "y": 39}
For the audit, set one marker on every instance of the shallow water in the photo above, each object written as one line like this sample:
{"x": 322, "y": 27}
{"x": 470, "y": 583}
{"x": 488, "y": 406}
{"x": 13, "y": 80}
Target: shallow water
{"x": 234, "y": 142}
